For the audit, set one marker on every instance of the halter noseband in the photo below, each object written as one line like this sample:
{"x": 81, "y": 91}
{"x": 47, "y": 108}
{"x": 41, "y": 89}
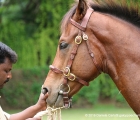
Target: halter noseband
{"x": 66, "y": 72}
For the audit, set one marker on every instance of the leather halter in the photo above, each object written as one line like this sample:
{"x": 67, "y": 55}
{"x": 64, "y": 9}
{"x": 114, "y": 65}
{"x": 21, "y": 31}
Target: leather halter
{"x": 85, "y": 20}
{"x": 82, "y": 27}
{"x": 66, "y": 72}
{"x": 68, "y": 75}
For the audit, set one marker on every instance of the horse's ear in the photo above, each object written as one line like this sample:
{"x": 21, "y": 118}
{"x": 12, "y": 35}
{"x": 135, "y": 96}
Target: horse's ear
{"x": 81, "y": 9}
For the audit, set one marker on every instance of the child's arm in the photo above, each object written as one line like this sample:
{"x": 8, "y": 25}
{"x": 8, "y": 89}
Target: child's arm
{"x": 31, "y": 111}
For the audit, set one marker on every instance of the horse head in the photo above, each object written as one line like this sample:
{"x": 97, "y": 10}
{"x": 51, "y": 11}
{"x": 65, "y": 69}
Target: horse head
{"x": 75, "y": 63}
{"x": 105, "y": 40}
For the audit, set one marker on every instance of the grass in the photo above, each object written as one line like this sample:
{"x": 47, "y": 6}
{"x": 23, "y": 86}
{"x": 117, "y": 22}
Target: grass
{"x": 98, "y": 112}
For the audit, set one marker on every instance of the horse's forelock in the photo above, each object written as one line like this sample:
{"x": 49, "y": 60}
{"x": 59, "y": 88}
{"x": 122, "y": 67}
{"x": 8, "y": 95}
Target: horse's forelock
{"x": 123, "y": 9}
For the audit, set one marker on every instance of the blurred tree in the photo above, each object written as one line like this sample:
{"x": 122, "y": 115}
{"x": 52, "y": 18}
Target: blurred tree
{"x": 31, "y": 28}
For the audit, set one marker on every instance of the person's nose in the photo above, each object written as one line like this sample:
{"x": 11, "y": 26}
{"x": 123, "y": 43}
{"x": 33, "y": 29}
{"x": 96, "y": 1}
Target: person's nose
{"x": 9, "y": 76}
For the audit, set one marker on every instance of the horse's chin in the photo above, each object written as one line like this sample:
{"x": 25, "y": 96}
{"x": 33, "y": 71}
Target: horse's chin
{"x": 59, "y": 102}
{"x": 56, "y": 103}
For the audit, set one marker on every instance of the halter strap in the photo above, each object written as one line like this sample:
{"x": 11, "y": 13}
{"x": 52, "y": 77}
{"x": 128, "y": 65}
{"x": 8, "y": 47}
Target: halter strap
{"x": 83, "y": 25}
{"x": 69, "y": 77}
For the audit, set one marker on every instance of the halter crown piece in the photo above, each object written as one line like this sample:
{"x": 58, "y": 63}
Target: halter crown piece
{"x": 67, "y": 70}
{"x": 84, "y": 22}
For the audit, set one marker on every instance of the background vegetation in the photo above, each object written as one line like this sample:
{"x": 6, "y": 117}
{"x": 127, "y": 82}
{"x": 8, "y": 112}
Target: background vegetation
{"x": 31, "y": 28}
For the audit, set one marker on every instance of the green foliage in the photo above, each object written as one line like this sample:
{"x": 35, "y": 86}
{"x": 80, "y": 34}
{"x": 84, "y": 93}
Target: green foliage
{"x": 117, "y": 96}
{"x": 88, "y": 94}
{"x": 101, "y": 88}
{"x": 31, "y": 28}
{"x": 106, "y": 84}
{"x": 109, "y": 90}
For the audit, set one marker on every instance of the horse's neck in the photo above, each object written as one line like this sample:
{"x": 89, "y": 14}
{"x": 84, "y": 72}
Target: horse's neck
{"x": 121, "y": 40}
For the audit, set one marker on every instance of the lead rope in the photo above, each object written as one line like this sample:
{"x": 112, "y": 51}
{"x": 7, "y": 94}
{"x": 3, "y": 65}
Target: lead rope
{"x": 51, "y": 113}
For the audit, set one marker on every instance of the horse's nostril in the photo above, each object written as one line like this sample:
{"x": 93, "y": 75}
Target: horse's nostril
{"x": 44, "y": 90}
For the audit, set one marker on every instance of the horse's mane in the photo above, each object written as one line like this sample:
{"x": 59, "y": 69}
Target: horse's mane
{"x": 127, "y": 10}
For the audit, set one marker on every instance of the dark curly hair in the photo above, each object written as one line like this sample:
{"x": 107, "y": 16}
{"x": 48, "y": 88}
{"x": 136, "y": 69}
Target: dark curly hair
{"x": 7, "y": 52}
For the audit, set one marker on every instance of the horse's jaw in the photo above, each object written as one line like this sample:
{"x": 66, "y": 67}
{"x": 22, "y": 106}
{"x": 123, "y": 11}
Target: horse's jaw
{"x": 55, "y": 101}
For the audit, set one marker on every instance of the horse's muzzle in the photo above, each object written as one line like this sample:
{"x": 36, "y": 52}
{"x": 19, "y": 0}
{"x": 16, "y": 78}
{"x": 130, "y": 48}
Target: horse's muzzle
{"x": 44, "y": 90}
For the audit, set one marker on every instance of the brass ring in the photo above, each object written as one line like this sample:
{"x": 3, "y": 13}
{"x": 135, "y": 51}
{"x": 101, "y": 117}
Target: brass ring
{"x": 66, "y": 68}
{"x": 76, "y": 39}
{"x": 67, "y": 86}
{"x": 73, "y": 77}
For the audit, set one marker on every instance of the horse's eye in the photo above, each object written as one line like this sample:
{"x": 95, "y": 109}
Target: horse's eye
{"x": 63, "y": 45}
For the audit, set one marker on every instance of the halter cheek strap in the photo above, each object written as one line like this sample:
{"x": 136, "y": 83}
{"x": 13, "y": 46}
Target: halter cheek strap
{"x": 82, "y": 27}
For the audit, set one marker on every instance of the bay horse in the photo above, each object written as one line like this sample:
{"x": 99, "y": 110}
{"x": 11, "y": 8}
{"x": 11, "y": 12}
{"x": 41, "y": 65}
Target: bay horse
{"x": 103, "y": 36}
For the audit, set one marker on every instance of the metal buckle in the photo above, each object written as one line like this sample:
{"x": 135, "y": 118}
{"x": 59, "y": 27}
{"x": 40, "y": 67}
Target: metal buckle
{"x": 66, "y": 68}
{"x": 78, "y": 39}
{"x": 85, "y": 37}
{"x": 73, "y": 77}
